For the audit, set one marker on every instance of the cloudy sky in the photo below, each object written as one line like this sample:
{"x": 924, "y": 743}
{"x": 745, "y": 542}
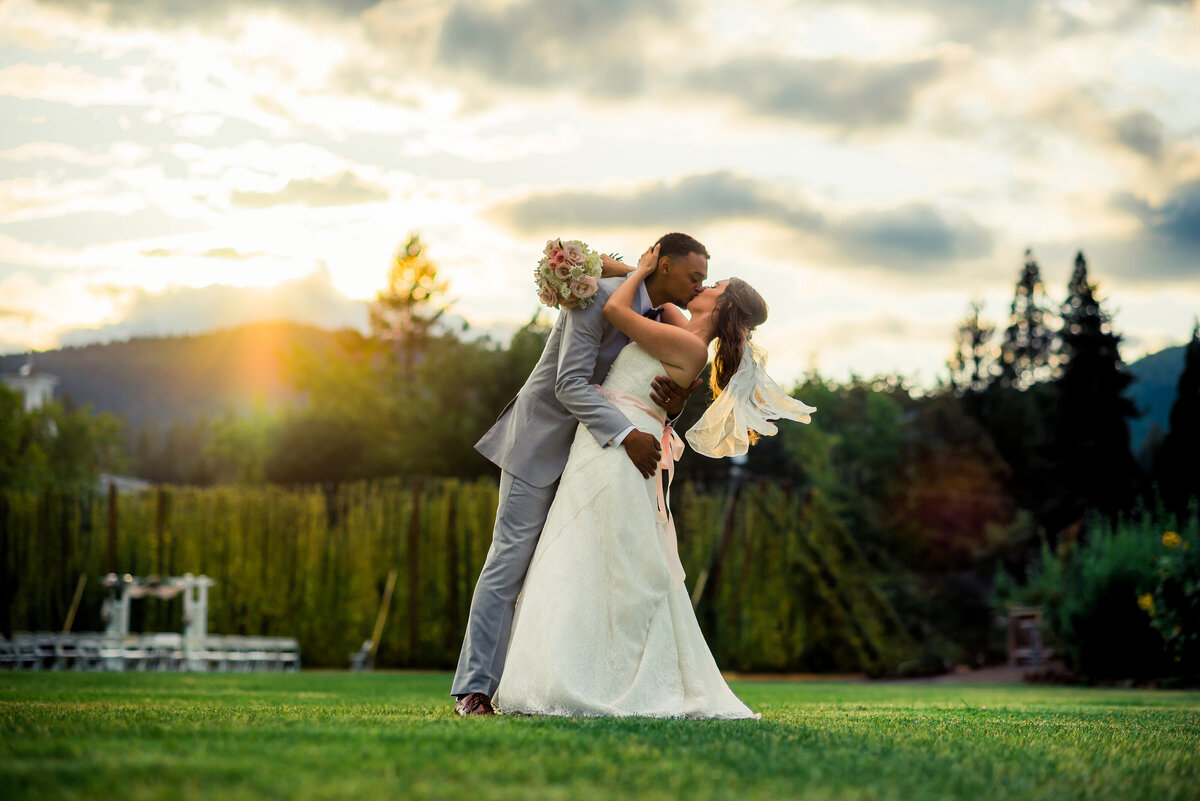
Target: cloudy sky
{"x": 170, "y": 166}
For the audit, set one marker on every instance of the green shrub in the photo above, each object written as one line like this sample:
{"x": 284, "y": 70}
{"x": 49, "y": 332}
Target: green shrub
{"x": 1090, "y": 592}
{"x": 1173, "y": 606}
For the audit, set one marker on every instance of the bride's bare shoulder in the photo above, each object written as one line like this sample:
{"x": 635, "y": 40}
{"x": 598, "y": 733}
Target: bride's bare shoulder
{"x": 683, "y": 350}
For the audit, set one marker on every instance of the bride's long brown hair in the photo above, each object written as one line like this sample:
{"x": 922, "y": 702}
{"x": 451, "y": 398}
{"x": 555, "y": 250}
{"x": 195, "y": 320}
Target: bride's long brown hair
{"x": 739, "y": 310}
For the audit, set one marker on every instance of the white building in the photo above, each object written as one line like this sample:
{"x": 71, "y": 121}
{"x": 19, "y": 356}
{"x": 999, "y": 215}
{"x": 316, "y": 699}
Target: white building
{"x": 122, "y": 483}
{"x": 36, "y": 388}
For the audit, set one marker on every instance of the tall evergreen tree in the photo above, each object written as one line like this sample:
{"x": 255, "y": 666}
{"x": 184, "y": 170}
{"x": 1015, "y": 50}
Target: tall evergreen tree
{"x": 1095, "y": 468}
{"x": 1026, "y": 352}
{"x": 1014, "y": 402}
{"x": 972, "y": 363}
{"x": 406, "y": 313}
{"x": 1177, "y": 467}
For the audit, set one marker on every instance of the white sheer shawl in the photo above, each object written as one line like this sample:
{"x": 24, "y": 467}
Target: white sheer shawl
{"x": 749, "y": 403}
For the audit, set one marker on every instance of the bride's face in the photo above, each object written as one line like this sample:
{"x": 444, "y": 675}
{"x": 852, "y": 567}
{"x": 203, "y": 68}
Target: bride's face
{"x": 706, "y": 300}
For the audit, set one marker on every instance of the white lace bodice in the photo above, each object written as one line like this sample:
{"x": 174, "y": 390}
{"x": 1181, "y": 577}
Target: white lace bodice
{"x": 632, "y": 372}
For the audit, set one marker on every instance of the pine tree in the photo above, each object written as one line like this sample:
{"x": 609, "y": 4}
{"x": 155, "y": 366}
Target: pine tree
{"x": 406, "y": 313}
{"x": 1013, "y": 405}
{"x": 972, "y": 363}
{"x": 1095, "y": 468}
{"x": 1177, "y": 467}
{"x": 1026, "y": 352}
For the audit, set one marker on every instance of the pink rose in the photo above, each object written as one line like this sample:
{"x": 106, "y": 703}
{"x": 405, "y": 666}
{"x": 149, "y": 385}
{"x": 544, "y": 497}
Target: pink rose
{"x": 548, "y": 296}
{"x": 557, "y": 258}
{"x": 551, "y": 246}
{"x": 563, "y": 271}
{"x": 584, "y": 287}
{"x": 575, "y": 253}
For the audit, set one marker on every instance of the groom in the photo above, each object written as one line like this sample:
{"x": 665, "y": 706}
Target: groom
{"x": 532, "y": 438}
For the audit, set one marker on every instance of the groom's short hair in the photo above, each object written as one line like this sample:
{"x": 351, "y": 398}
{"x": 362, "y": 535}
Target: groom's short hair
{"x": 680, "y": 245}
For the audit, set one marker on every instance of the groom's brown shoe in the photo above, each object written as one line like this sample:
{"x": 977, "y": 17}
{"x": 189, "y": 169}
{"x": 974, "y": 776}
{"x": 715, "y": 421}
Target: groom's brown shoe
{"x": 474, "y": 704}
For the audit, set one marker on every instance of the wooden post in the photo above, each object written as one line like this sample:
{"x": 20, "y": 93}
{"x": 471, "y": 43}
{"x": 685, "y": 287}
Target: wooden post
{"x": 382, "y": 616}
{"x": 735, "y": 605}
{"x": 414, "y": 573}
{"x": 727, "y": 525}
{"x": 75, "y": 603}
{"x": 710, "y": 579}
{"x": 161, "y": 611}
{"x": 452, "y": 634}
{"x": 112, "y": 528}
{"x": 160, "y": 531}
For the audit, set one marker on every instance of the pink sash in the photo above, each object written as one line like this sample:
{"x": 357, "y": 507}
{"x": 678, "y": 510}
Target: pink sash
{"x": 672, "y": 449}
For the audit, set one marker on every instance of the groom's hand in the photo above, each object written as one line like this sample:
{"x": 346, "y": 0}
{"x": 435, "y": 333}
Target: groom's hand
{"x": 610, "y": 267}
{"x": 643, "y": 450}
{"x": 669, "y": 395}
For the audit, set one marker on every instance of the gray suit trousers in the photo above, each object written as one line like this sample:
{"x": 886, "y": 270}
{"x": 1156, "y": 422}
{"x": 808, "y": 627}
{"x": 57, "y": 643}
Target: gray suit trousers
{"x": 520, "y": 515}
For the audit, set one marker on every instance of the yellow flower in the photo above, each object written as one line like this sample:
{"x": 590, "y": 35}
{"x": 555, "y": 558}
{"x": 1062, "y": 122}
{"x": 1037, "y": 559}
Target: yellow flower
{"x": 1171, "y": 539}
{"x": 1146, "y": 602}
{"x": 1176, "y": 630}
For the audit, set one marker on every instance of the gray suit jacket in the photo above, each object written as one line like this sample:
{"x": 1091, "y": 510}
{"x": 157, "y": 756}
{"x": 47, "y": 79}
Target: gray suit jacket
{"x": 533, "y": 435}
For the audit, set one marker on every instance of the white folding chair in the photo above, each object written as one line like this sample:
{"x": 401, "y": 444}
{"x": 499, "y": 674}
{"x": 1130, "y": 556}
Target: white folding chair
{"x": 260, "y": 655}
{"x": 112, "y": 654}
{"x": 164, "y": 650}
{"x": 216, "y": 653}
{"x": 134, "y": 653}
{"x": 289, "y": 654}
{"x": 239, "y": 652}
{"x": 66, "y": 651}
{"x": 8, "y": 654}
{"x": 88, "y": 656}
{"x": 45, "y": 645}
{"x": 26, "y": 651}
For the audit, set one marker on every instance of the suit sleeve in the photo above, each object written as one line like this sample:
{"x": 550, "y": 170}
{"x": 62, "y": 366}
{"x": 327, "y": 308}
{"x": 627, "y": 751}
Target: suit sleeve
{"x": 582, "y": 332}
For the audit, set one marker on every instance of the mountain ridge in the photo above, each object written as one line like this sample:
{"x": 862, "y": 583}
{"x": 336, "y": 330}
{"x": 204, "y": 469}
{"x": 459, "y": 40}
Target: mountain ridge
{"x": 182, "y": 377}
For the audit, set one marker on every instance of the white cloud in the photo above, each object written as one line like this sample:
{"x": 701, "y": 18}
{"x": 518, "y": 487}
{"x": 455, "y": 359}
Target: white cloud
{"x": 923, "y": 144}
{"x": 124, "y": 154}
{"x": 183, "y": 310}
{"x": 35, "y": 311}
{"x": 346, "y": 189}
{"x": 912, "y": 236}
{"x": 34, "y": 198}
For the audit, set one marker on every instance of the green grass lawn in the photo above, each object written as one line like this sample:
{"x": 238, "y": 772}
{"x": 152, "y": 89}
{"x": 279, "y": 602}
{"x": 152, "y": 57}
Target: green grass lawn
{"x": 392, "y": 735}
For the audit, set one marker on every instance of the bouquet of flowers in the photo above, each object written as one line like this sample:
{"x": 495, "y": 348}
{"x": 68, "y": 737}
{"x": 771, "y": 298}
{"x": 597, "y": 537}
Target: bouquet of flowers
{"x": 568, "y": 274}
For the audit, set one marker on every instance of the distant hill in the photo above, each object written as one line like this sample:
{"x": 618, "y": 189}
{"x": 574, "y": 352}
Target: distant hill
{"x": 1154, "y": 391}
{"x": 180, "y": 377}
{"x": 183, "y": 377}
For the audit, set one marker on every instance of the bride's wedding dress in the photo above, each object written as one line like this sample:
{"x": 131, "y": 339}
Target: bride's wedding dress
{"x": 604, "y": 625}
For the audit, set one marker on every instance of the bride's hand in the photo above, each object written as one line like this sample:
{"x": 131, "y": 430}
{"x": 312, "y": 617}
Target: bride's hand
{"x": 648, "y": 263}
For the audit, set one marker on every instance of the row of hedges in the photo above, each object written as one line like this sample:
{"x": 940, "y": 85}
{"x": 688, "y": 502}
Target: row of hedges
{"x": 784, "y": 586}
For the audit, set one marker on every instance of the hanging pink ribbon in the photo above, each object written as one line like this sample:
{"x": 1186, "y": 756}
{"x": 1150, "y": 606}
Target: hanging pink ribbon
{"x": 672, "y": 450}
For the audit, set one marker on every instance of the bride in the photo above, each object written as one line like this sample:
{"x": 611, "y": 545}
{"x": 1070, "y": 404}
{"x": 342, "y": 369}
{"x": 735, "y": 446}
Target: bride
{"x": 604, "y": 625}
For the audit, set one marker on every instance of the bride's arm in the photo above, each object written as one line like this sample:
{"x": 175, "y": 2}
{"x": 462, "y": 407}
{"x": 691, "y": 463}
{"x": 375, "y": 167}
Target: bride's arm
{"x": 673, "y": 315}
{"x": 671, "y": 345}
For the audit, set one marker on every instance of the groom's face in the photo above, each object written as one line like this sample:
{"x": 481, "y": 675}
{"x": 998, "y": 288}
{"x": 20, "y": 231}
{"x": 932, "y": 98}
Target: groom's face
{"x": 684, "y": 277}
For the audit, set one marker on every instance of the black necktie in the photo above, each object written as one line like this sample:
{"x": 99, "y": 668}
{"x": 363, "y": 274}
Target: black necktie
{"x": 653, "y": 314}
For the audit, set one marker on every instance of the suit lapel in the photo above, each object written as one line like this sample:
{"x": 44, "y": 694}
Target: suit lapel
{"x": 641, "y": 300}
